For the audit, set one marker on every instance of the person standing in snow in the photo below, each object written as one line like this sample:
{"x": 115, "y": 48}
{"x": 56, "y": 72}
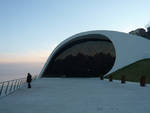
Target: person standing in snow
{"x": 29, "y": 79}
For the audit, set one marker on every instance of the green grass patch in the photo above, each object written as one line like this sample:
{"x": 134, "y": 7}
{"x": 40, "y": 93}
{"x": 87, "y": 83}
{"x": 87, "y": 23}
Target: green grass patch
{"x": 133, "y": 72}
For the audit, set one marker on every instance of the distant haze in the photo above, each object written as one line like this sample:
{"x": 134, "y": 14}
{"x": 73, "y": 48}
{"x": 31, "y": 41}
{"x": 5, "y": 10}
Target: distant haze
{"x": 9, "y": 71}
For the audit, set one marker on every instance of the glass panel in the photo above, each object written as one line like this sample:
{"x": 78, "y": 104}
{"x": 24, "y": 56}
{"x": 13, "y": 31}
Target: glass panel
{"x": 85, "y": 57}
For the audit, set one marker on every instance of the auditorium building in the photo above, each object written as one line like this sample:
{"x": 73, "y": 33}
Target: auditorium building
{"x": 94, "y": 53}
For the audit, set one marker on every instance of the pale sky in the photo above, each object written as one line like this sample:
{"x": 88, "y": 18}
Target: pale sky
{"x": 30, "y": 29}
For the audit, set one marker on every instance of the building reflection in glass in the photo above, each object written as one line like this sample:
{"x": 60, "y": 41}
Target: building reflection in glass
{"x": 86, "y": 57}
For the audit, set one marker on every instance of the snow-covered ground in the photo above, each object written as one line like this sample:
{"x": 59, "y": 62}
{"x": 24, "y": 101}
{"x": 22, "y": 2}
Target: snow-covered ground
{"x": 78, "y": 95}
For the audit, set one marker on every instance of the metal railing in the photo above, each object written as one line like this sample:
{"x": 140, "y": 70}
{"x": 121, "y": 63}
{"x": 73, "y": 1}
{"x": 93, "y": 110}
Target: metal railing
{"x": 8, "y": 87}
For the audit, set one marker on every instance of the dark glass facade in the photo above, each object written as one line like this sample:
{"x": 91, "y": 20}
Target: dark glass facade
{"x": 84, "y": 56}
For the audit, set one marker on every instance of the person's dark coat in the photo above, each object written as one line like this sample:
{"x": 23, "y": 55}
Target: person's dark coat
{"x": 29, "y": 78}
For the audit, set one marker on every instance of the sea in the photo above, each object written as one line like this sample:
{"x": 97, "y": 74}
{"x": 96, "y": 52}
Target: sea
{"x": 11, "y": 71}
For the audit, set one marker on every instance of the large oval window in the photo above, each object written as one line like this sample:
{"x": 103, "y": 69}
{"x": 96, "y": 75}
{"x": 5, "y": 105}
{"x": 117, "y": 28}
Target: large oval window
{"x": 84, "y": 56}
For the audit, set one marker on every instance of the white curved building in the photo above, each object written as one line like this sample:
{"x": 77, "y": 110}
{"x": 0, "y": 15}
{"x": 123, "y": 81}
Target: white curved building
{"x": 93, "y": 48}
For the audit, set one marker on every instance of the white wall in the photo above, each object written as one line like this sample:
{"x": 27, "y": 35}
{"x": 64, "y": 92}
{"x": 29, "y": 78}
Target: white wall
{"x": 129, "y": 48}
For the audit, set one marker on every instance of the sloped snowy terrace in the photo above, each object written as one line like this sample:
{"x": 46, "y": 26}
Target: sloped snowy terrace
{"x": 78, "y": 95}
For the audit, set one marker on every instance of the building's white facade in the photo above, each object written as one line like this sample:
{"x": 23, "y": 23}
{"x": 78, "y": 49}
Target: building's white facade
{"x": 129, "y": 48}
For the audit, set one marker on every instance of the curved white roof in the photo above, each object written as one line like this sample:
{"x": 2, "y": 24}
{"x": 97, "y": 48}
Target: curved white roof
{"x": 129, "y": 48}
